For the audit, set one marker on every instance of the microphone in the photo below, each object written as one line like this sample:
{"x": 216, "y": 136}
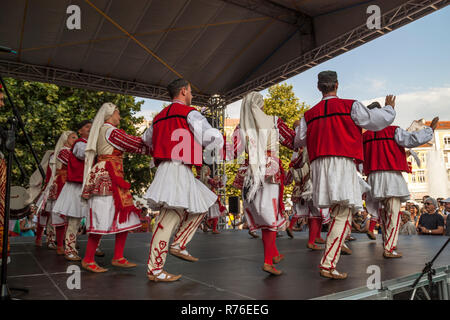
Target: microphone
{"x": 7, "y": 50}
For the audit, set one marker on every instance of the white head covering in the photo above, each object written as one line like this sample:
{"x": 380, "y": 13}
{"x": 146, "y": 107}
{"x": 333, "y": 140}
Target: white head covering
{"x": 259, "y": 132}
{"x": 59, "y": 145}
{"x": 36, "y": 178}
{"x": 103, "y": 114}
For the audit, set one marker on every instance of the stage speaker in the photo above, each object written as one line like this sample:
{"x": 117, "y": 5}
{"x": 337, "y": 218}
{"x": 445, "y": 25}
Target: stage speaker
{"x": 234, "y": 205}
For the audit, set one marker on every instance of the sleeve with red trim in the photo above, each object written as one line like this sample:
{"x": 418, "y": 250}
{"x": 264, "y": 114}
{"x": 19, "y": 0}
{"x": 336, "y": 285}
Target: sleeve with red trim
{"x": 63, "y": 155}
{"x": 287, "y": 135}
{"x": 126, "y": 142}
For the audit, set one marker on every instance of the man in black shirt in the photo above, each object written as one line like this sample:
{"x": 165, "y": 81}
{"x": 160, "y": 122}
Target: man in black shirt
{"x": 446, "y": 213}
{"x": 431, "y": 222}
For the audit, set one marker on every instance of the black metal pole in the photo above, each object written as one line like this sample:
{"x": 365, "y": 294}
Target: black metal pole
{"x": 22, "y": 127}
{"x": 428, "y": 265}
{"x": 10, "y": 144}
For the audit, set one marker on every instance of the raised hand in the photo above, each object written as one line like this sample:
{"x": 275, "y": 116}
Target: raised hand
{"x": 390, "y": 101}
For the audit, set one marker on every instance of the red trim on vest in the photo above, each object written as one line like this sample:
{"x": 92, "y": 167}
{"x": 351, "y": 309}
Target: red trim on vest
{"x": 75, "y": 166}
{"x": 382, "y": 153}
{"x": 332, "y": 132}
{"x": 165, "y": 124}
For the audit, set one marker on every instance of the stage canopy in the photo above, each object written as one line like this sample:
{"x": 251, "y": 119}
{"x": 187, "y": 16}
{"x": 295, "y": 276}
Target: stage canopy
{"x": 227, "y": 47}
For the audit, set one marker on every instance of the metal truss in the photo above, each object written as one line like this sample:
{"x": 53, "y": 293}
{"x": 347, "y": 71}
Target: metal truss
{"x": 88, "y": 81}
{"x": 276, "y": 11}
{"x": 393, "y": 19}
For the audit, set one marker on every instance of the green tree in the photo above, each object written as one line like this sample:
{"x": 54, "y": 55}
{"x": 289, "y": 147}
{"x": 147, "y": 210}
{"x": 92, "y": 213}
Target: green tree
{"x": 48, "y": 110}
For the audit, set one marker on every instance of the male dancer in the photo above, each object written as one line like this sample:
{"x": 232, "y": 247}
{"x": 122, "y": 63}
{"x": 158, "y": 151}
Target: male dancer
{"x": 384, "y": 162}
{"x": 69, "y": 203}
{"x": 111, "y": 208}
{"x": 332, "y": 132}
{"x": 181, "y": 198}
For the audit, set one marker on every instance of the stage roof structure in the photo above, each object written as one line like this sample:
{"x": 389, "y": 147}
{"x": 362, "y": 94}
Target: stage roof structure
{"x": 223, "y": 47}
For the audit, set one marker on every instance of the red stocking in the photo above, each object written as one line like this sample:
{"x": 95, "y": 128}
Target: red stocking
{"x": 313, "y": 227}
{"x": 121, "y": 238}
{"x": 91, "y": 247}
{"x": 60, "y": 236}
{"x": 39, "y": 232}
{"x": 319, "y": 228}
{"x": 214, "y": 223}
{"x": 293, "y": 222}
{"x": 268, "y": 238}
{"x": 372, "y": 225}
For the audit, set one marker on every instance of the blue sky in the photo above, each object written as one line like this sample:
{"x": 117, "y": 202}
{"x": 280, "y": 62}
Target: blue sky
{"x": 412, "y": 62}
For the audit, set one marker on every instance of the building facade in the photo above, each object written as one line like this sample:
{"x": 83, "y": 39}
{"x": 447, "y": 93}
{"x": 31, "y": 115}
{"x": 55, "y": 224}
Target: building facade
{"x": 423, "y": 180}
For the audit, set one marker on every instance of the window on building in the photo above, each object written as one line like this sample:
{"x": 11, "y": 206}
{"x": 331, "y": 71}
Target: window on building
{"x": 413, "y": 177}
{"x": 420, "y": 176}
{"x": 447, "y": 142}
{"x": 423, "y": 158}
{"x": 448, "y": 175}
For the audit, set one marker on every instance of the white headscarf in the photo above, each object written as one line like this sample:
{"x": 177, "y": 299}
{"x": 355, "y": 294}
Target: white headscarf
{"x": 103, "y": 114}
{"x": 259, "y": 132}
{"x": 36, "y": 178}
{"x": 59, "y": 145}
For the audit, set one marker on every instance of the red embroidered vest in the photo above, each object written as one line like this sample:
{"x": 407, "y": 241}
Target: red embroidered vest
{"x": 382, "y": 153}
{"x": 75, "y": 166}
{"x": 332, "y": 132}
{"x": 172, "y": 138}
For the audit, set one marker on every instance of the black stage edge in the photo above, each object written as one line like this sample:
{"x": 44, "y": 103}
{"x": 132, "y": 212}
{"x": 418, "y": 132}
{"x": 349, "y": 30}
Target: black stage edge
{"x": 229, "y": 269}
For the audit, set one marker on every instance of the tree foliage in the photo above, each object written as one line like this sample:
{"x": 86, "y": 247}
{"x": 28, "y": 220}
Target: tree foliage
{"x": 47, "y": 110}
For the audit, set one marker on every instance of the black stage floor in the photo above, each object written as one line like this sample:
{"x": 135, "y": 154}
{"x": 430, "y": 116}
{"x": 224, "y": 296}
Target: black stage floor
{"x": 229, "y": 268}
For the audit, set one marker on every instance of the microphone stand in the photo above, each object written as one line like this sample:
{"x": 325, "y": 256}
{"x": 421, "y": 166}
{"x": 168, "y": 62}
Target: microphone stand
{"x": 428, "y": 269}
{"x": 9, "y": 138}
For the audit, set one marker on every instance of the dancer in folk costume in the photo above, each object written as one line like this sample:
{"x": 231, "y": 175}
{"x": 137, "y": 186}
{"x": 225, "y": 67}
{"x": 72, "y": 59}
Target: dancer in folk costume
{"x": 384, "y": 162}
{"x": 262, "y": 174}
{"x": 181, "y": 199}
{"x": 69, "y": 203}
{"x": 332, "y": 131}
{"x": 303, "y": 207}
{"x": 2, "y": 187}
{"x": 58, "y": 163}
{"x": 39, "y": 191}
{"x": 111, "y": 208}
{"x": 217, "y": 209}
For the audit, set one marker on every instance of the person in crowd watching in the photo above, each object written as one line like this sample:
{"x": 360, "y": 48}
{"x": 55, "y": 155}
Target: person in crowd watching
{"x": 430, "y": 221}
{"x": 445, "y": 213}
{"x": 407, "y": 227}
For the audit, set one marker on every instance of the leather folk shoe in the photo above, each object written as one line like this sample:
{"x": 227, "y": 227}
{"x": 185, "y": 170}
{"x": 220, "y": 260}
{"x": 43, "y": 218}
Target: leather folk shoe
{"x": 393, "y": 254}
{"x": 333, "y": 274}
{"x": 182, "y": 254}
{"x": 320, "y": 241}
{"x": 163, "y": 276}
{"x": 346, "y": 250}
{"x": 371, "y": 235}
{"x": 92, "y": 267}
{"x": 271, "y": 269}
{"x": 314, "y": 247}
{"x": 278, "y": 259}
{"x": 123, "y": 263}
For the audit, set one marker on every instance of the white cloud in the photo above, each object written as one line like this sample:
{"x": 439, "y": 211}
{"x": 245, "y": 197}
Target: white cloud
{"x": 420, "y": 104}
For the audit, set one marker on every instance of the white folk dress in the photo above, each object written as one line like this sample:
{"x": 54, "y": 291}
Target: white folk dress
{"x": 174, "y": 185}
{"x": 69, "y": 202}
{"x": 102, "y": 217}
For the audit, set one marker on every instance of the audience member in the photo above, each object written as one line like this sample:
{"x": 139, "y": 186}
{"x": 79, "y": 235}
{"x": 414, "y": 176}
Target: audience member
{"x": 407, "y": 227}
{"x": 431, "y": 222}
